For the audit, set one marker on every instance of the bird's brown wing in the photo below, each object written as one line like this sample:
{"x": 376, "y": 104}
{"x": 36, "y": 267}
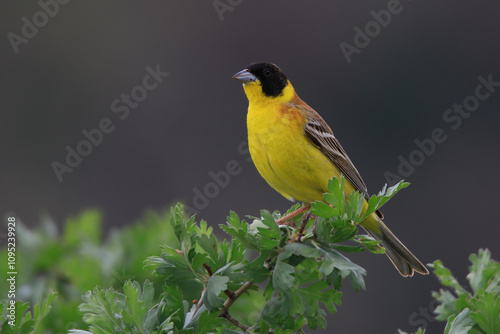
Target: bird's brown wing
{"x": 320, "y": 134}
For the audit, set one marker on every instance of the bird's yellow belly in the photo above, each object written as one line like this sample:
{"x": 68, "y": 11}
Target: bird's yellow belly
{"x": 290, "y": 163}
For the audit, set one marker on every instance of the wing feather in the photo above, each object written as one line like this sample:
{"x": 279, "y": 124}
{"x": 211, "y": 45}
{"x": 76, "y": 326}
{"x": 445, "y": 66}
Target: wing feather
{"x": 320, "y": 134}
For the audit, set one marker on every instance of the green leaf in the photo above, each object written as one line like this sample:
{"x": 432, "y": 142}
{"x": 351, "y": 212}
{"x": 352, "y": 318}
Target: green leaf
{"x": 348, "y": 249}
{"x": 173, "y": 265}
{"x": 256, "y": 270}
{"x": 460, "y": 324}
{"x": 377, "y": 201}
{"x": 208, "y": 322}
{"x": 320, "y": 292}
{"x": 172, "y": 308}
{"x": 321, "y": 209}
{"x": 483, "y": 271}
{"x": 370, "y": 243}
{"x": 357, "y": 280}
{"x": 264, "y": 326}
{"x": 239, "y": 230}
{"x": 209, "y": 245}
{"x": 269, "y": 234}
{"x": 192, "y": 317}
{"x": 487, "y": 313}
{"x": 42, "y": 311}
{"x": 343, "y": 232}
{"x": 336, "y": 195}
{"x": 446, "y": 277}
{"x": 138, "y": 302}
{"x": 215, "y": 286}
{"x": 198, "y": 260}
{"x": 299, "y": 249}
{"x": 355, "y": 205}
{"x": 447, "y": 306}
{"x": 23, "y": 317}
{"x": 334, "y": 259}
{"x": 283, "y": 279}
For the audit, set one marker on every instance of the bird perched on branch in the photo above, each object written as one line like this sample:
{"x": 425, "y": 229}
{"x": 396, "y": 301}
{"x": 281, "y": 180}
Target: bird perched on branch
{"x": 296, "y": 152}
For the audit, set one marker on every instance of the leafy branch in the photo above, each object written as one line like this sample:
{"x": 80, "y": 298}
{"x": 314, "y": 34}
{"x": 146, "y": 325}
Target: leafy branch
{"x": 470, "y": 312}
{"x": 21, "y": 320}
{"x": 264, "y": 278}
{"x": 289, "y": 275}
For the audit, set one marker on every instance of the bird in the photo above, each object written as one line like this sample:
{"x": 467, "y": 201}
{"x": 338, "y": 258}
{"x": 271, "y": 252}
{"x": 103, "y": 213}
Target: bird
{"x": 296, "y": 152}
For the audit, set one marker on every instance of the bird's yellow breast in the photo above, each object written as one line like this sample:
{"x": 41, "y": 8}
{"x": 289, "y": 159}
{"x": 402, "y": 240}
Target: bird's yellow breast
{"x": 282, "y": 153}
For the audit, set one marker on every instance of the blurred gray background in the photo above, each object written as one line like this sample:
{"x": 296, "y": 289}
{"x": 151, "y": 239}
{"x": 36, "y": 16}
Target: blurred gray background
{"x": 63, "y": 76}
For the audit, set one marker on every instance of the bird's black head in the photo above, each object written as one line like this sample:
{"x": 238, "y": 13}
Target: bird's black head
{"x": 272, "y": 79}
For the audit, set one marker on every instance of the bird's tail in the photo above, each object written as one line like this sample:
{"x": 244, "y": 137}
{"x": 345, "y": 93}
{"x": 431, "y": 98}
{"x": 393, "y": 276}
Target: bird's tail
{"x": 404, "y": 261}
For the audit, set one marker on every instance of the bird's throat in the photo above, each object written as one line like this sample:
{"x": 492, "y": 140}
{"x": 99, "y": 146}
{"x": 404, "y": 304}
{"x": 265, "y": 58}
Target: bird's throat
{"x": 256, "y": 96}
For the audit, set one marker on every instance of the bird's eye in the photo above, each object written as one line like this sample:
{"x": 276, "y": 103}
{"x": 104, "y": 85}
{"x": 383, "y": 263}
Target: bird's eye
{"x": 267, "y": 73}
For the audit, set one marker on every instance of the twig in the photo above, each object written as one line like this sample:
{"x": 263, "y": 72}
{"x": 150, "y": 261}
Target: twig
{"x": 229, "y": 293}
{"x": 200, "y": 302}
{"x": 230, "y": 300}
{"x": 234, "y": 321}
{"x": 305, "y": 219}
{"x": 207, "y": 267}
{"x": 232, "y": 296}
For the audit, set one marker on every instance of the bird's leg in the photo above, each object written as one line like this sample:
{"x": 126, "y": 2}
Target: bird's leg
{"x": 300, "y": 232}
{"x": 303, "y": 223}
{"x": 315, "y": 224}
{"x": 284, "y": 220}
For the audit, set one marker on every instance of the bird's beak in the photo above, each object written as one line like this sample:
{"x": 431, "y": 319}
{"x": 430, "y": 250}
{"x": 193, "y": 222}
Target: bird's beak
{"x": 245, "y": 76}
